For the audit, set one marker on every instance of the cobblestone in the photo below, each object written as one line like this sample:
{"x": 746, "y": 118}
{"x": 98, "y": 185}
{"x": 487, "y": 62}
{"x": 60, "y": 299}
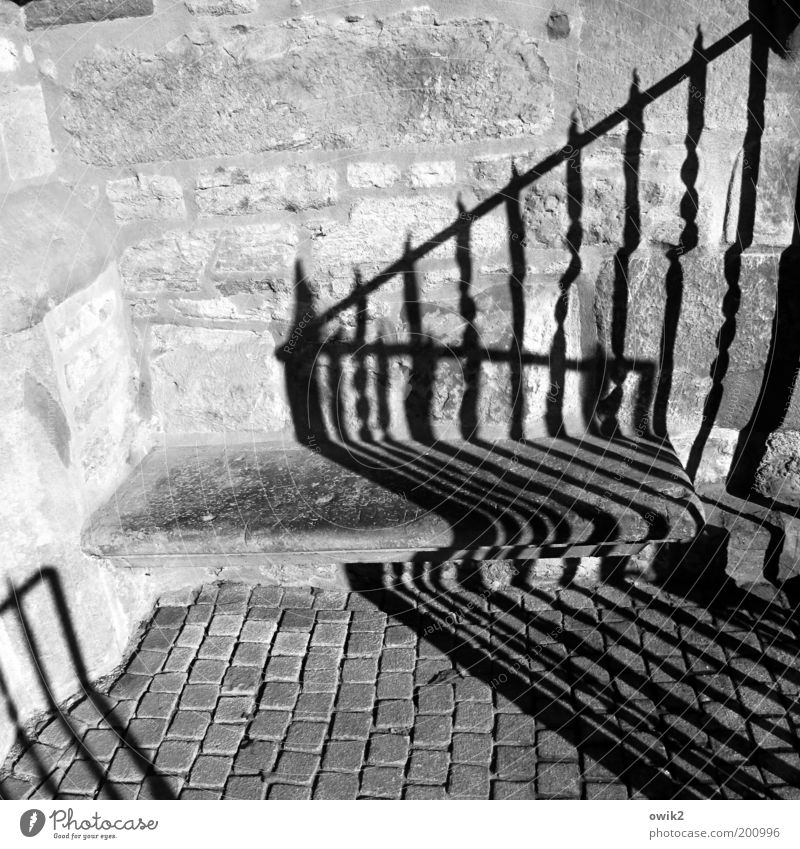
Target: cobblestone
{"x": 274, "y": 693}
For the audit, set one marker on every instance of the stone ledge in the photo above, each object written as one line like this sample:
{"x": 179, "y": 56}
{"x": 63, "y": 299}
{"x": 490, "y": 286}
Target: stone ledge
{"x": 397, "y": 502}
{"x": 47, "y": 13}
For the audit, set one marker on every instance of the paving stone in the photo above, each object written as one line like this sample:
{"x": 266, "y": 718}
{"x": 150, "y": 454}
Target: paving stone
{"x": 428, "y": 767}
{"x": 233, "y": 593}
{"x": 116, "y": 791}
{"x": 210, "y": 771}
{"x": 514, "y": 790}
{"x": 189, "y": 725}
{"x": 517, "y": 763}
{"x": 551, "y": 746}
{"x": 176, "y": 756}
{"x": 169, "y": 617}
{"x": 314, "y": 705}
{"x": 382, "y": 782}
{"x": 197, "y": 795}
{"x": 436, "y": 699}
{"x": 297, "y": 767}
{"x": 297, "y": 620}
{"x": 217, "y": 648}
{"x": 161, "y": 787}
{"x": 395, "y": 685}
{"x": 127, "y": 766}
{"x": 81, "y": 777}
{"x": 244, "y": 787}
{"x": 191, "y": 636}
{"x": 255, "y": 758}
{"x": 179, "y": 660}
{"x": 473, "y": 690}
{"x": 475, "y": 717}
{"x": 360, "y": 670}
{"x": 159, "y": 640}
{"x": 290, "y": 643}
{"x": 339, "y": 616}
{"x": 320, "y": 680}
{"x": 225, "y": 625}
{"x": 233, "y": 709}
{"x": 355, "y": 697}
{"x": 200, "y": 614}
{"x": 336, "y": 785}
{"x": 343, "y": 756}
{"x": 168, "y": 682}
{"x": 279, "y": 695}
{"x": 241, "y": 681}
{"x": 388, "y": 749}
{"x": 297, "y": 597}
{"x": 433, "y": 732}
{"x": 130, "y": 686}
{"x": 366, "y": 644}
{"x": 472, "y": 749}
{"x": 367, "y": 620}
{"x": 423, "y": 792}
{"x": 207, "y": 672}
{"x": 306, "y": 736}
{"x": 393, "y": 714}
{"x": 157, "y": 705}
{"x": 199, "y": 697}
{"x": 283, "y": 669}
{"x": 141, "y": 733}
{"x": 468, "y": 782}
{"x": 329, "y": 634}
{"x": 14, "y": 788}
{"x": 558, "y": 780}
{"x": 515, "y": 730}
{"x": 267, "y": 596}
{"x": 101, "y": 743}
{"x": 606, "y": 791}
{"x": 269, "y": 724}
{"x": 351, "y": 726}
{"x": 251, "y": 654}
{"x": 257, "y": 631}
{"x": 330, "y": 600}
{"x": 223, "y": 739}
{"x": 289, "y": 792}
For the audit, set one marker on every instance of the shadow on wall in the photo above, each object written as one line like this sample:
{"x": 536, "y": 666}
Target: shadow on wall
{"x": 340, "y": 385}
{"x": 67, "y": 727}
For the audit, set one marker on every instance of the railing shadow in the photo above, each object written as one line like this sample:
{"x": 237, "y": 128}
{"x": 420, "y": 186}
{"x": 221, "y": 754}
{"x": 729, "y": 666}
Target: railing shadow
{"x": 50, "y": 781}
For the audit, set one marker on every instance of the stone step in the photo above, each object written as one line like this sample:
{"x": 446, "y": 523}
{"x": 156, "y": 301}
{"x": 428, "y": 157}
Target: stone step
{"x": 336, "y": 503}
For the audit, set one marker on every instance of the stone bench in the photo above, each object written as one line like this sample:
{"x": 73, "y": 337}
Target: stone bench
{"x": 393, "y": 501}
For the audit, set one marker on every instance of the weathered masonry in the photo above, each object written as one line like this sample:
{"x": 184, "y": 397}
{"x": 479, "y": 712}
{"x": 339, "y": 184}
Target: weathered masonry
{"x": 373, "y": 281}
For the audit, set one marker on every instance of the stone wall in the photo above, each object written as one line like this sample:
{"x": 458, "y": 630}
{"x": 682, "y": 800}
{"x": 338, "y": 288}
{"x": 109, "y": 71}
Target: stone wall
{"x": 176, "y": 175}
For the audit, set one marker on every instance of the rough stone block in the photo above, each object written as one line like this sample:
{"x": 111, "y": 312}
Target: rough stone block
{"x": 216, "y": 380}
{"x": 26, "y": 135}
{"x": 173, "y": 262}
{"x": 428, "y": 175}
{"x": 372, "y": 175}
{"x": 221, "y": 7}
{"x": 237, "y": 191}
{"x": 428, "y": 83}
{"x": 145, "y": 197}
{"x": 377, "y": 229}
{"x": 47, "y": 13}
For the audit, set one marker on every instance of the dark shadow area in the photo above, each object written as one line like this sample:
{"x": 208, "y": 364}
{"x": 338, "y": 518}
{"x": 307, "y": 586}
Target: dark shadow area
{"x": 50, "y": 779}
{"x": 675, "y": 699}
{"x": 751, "y": 163}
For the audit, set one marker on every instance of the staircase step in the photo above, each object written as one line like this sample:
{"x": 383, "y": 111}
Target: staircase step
{"x": 396, "y": 501}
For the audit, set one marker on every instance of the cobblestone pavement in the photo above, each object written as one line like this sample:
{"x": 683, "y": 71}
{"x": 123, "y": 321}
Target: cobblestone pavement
{"x": 435, "y": 692}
